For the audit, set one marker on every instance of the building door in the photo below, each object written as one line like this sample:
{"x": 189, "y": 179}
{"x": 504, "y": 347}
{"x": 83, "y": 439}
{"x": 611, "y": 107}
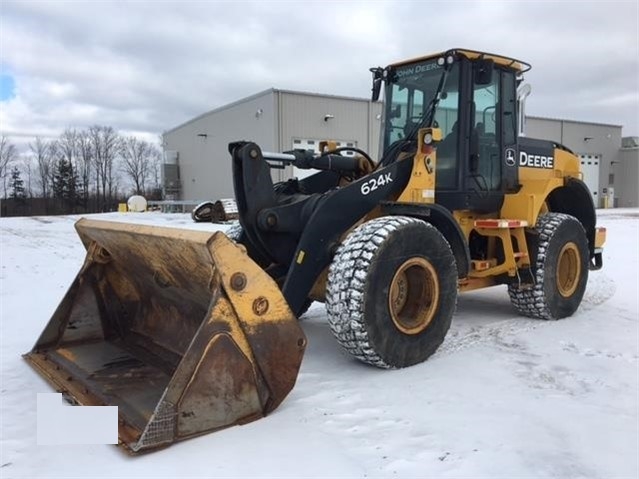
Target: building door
{"x": 590, "y": 169}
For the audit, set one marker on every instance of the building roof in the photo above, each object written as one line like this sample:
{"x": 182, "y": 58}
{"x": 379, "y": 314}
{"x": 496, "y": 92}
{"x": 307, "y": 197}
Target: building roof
{"x": 221, "y": 108}
{"x": 534, "y": 117}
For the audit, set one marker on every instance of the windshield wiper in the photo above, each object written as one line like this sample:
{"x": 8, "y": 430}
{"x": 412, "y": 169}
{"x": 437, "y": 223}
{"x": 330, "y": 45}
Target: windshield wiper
{"x": 428, "y": 117}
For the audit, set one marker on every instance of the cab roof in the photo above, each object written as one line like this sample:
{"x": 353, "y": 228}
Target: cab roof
{"x": 517, "y": 65}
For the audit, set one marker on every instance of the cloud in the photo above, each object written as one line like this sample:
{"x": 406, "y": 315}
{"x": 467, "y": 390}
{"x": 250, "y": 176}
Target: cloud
{"x": 148, "y": 66}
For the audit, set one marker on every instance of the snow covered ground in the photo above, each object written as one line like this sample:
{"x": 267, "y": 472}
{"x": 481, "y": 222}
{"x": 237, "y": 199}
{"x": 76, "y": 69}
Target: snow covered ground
{"x": 504, "y": 396}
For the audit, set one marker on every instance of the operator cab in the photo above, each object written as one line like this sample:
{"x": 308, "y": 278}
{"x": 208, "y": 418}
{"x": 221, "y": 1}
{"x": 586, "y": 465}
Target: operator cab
{"x": 472, "y": 98}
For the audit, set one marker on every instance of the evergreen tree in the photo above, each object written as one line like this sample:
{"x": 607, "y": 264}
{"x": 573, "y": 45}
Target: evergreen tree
{"x": 16, "y": 184}
{"x": 65, "y": 180}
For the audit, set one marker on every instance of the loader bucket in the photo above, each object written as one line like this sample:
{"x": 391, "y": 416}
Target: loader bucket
{"x": 179, "y": 329}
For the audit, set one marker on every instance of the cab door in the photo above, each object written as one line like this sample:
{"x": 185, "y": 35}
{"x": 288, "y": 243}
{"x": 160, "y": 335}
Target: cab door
{"x": 492, "y": 140}
{"x": 509, "y": 132}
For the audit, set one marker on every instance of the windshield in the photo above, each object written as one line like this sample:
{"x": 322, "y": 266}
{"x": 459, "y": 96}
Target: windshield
{"x": 409, "y": 93}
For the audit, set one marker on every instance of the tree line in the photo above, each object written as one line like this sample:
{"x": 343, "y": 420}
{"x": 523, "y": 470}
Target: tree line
{"x": 88, "y": 170}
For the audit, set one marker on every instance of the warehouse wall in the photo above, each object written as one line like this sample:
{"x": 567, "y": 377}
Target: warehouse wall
{"x": 591, "y": 140}
{"x": 204, "y": 161}
{"x": 302, "y": 116}
{"x": 277, "y": 119}
{"x": 626, "y": 178}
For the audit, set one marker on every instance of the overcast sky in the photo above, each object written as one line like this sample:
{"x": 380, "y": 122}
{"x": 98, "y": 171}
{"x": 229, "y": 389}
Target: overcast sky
{"x": 145, "y": 67}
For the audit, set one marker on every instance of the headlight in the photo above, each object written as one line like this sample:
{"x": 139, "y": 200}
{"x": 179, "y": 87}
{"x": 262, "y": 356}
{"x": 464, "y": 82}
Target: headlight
{"x": 428, "y": 138}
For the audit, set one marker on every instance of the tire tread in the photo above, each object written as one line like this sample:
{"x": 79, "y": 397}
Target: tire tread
{"x": 532, "y": 301}
{"x": 346, "y": 282}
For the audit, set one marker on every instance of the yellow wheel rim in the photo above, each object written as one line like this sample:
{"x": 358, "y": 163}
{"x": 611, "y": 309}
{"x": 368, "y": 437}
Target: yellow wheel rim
{"x": 568, "y": 269}
{"x": 413, "y": 296}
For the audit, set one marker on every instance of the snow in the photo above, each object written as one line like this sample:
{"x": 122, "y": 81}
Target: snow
{"x": 504, "y": 396}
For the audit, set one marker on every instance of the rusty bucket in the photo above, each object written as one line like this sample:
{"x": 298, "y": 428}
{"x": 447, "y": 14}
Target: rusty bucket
{"x": 179, "y": 329}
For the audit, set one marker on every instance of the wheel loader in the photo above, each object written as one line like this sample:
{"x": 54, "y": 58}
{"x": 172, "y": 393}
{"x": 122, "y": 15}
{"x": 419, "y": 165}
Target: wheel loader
{"x": 188, "y": 332}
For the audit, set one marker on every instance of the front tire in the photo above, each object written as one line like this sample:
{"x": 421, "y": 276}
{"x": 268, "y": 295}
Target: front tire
{"x": 235, "y": 232}
{"x": 559, "y": 254}
{"x": 392, "y": 291}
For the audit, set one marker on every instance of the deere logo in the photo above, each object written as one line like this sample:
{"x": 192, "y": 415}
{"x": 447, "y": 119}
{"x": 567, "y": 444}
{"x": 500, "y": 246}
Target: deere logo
{"x": 510, "y": 157}
{"x": 536, "y": 161}
{"x": 416, "y": 69}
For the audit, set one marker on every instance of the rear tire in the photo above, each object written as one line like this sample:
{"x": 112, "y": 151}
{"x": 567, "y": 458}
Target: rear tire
{"x": 392, "y": 291}
{"x": 559, "y": 254}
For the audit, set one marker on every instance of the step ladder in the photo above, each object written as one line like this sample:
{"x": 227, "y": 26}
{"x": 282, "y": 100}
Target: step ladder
{"x": 505, "y": 230}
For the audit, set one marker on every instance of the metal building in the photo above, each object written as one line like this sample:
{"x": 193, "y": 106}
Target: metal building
{"x": 625, "y": 173}
{"x": 277, "y": 120}
{"x": 596, "y": 144}
{"x": 198, "y": 164}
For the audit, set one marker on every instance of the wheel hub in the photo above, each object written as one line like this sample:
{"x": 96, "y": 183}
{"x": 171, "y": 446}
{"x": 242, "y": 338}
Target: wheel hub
{"x": 568, "y": 270}
{"x": 413, "y": 296}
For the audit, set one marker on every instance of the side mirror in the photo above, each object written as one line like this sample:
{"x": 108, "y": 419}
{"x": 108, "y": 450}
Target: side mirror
{"x": 377, "y": 82}
{"x": 483, "y": 71}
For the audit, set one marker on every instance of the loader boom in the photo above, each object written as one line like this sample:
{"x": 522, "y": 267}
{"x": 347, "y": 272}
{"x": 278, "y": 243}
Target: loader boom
{"x": 297, "y": 237}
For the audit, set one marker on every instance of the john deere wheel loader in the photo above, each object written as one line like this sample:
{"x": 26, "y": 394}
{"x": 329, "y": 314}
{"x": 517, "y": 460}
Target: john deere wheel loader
{"x": 188, "y": 332}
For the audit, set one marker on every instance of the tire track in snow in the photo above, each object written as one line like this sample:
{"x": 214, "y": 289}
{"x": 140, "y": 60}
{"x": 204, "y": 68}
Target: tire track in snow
{"x": 463, "y": 334}
{"x": 599, "y": 290}
{"x": 458, "y": 340}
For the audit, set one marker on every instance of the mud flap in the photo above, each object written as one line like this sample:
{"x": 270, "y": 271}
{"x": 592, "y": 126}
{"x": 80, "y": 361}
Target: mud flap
{"x": 179, "y": 329}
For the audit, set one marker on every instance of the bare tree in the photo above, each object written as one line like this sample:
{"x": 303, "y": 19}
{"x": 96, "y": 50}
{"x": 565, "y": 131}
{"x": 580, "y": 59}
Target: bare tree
{"x": 105, "y": 143}
{"x": 84, "y": 164}
{"x": 67, "y": 145}
{"x": 43, "y": 153}
{"x": 156, "y": 175}
{"x": 27, "y": 168}
{"x": 138, "y": 162}
{"x": 8, "y": 155}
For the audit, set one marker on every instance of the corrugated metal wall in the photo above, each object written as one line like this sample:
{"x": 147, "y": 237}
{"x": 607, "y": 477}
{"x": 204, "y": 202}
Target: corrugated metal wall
{"x": 305, "y": 116}
{"x": 626, "y": 174}
{"x": 584, "y": 139}
{"x": 275, "y": 118}
{"x": 202, "y": 144}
